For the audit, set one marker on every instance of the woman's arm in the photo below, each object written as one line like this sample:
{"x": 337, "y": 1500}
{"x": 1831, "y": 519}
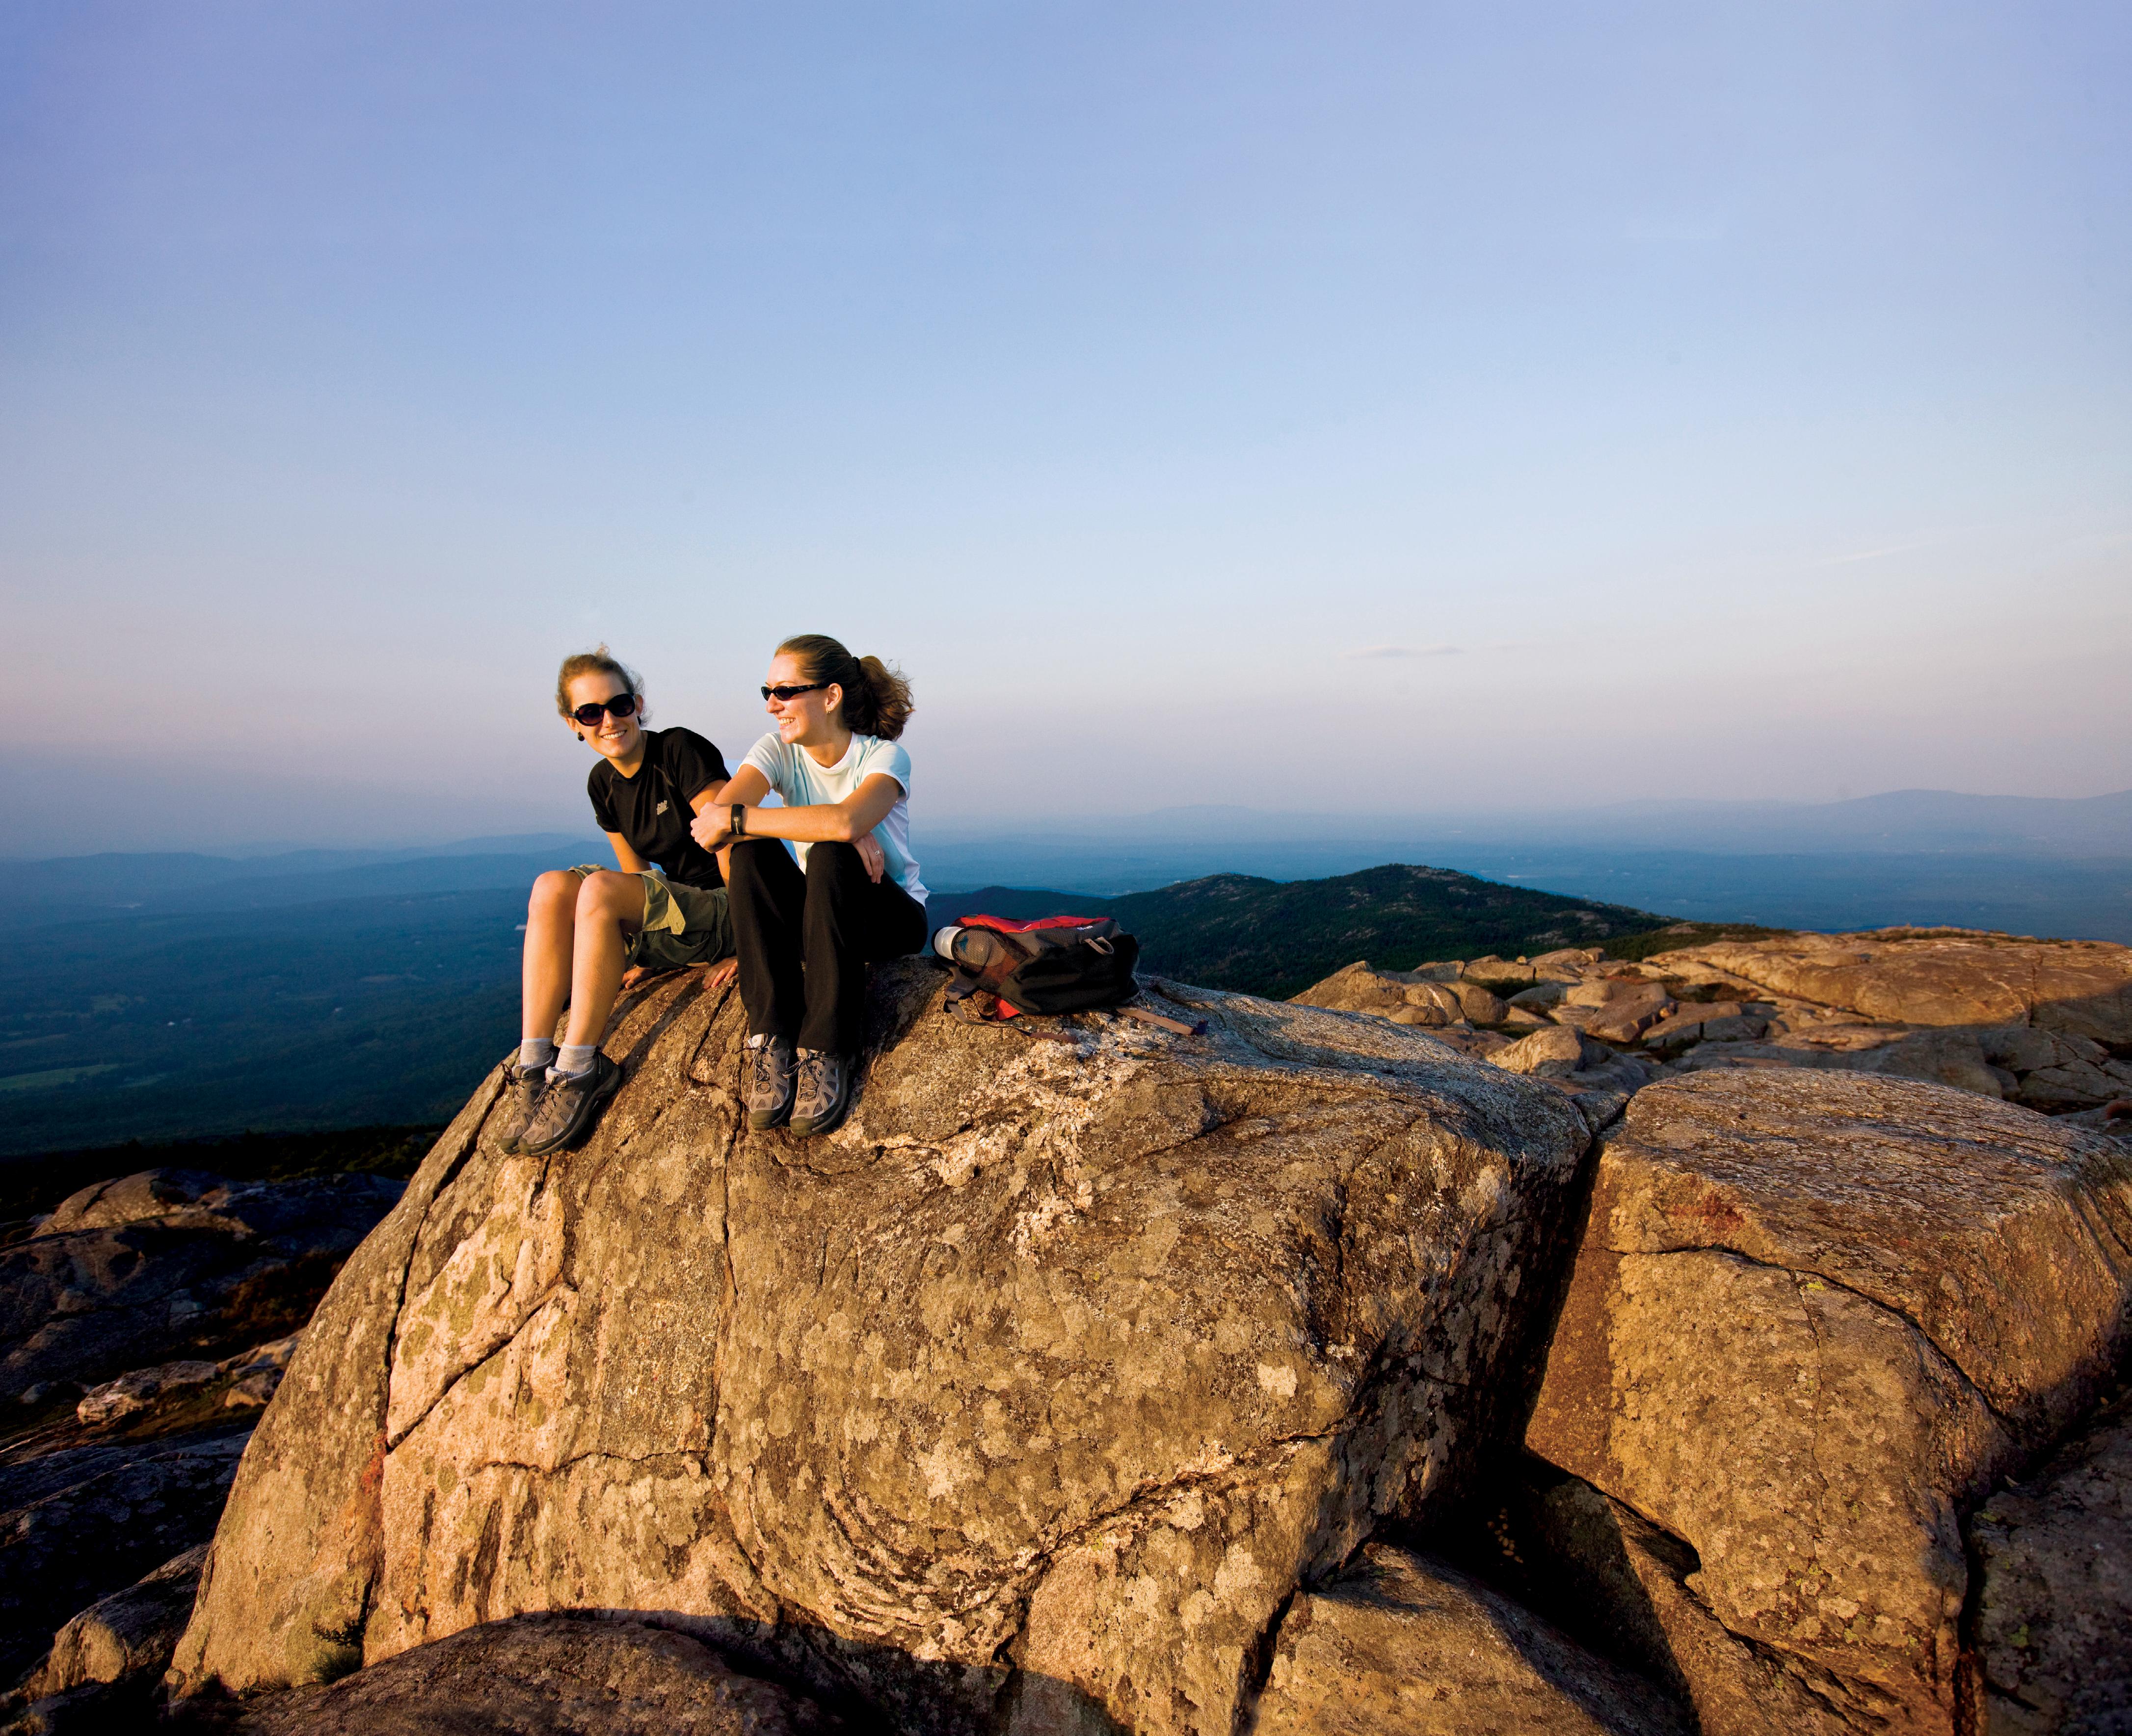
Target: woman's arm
{"x": 703, "y": 798}
{"x": 711, "y": 829}
{"x": 747, "y": 784}
{"x": 628, "y": 860}
{"x": 828, "y": 823}
{"x": 724, "y": 970}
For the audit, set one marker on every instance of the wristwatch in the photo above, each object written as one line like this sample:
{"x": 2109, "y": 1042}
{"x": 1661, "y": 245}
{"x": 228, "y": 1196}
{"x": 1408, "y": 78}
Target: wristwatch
{"x": 739, "y": 822}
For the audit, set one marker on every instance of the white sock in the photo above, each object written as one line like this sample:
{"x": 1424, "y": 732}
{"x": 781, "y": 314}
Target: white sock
{"x": 574, "y": 1057}
{"x": 535, "y": 1051}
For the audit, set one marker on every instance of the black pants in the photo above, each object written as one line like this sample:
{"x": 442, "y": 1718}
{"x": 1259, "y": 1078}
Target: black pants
{"x": 805, "y": 939}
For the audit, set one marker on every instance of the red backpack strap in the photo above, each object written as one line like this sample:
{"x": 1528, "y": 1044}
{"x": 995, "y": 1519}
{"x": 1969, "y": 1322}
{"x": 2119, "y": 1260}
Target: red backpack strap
{"x": 974, "y": 1005}
{"x": 1000, "y": 925}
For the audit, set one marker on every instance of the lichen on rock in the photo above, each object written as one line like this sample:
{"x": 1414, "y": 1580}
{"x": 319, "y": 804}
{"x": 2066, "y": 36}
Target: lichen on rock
{"x": 1058, "y": 1364}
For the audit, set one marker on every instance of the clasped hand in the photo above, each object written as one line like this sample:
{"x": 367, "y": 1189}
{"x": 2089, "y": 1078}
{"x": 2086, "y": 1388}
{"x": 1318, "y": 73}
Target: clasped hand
{"x": 712, "y": 828}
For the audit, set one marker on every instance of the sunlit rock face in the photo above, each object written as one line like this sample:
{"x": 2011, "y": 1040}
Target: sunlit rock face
{"x": 1031, "y": 1395}
{"x": 1816, "y": 1317}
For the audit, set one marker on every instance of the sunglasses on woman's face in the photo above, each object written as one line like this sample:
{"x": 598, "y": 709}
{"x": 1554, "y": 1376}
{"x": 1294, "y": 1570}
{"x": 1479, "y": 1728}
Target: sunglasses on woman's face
{"x": 793, "y": 690}
{"x": 622, "y": 705}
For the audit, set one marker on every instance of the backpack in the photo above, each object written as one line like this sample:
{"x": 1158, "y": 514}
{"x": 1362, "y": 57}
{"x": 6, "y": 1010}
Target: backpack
{"x": 1058, "y": 964}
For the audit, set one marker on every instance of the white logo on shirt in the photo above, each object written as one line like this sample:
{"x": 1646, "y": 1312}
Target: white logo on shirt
{"x": 659, "y": 810}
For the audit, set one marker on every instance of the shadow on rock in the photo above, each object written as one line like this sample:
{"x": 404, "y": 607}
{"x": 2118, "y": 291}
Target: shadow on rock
{"x": 168, "y": 1262}
{"x": 81, "y": 1524}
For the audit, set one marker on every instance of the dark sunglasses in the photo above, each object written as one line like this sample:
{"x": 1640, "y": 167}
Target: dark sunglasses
{"x": 792, "y": 690}
{"x": 622, "y": 705}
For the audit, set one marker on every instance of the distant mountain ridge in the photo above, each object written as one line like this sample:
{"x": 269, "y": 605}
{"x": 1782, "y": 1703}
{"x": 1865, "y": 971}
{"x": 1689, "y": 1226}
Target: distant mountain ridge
{"x": 1276, "y": 938}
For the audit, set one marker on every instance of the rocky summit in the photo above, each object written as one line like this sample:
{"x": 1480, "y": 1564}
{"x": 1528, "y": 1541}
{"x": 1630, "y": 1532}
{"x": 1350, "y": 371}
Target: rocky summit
{"x": 1470, "y": 1351}
{"x": 2044, "y": 1024}
{"x": 1027, "y": 1400}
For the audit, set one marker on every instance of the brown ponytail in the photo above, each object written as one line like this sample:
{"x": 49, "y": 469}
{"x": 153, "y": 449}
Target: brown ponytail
{"x": 877, "y": 698}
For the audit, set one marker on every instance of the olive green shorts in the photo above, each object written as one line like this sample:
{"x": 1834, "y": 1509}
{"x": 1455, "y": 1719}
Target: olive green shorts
{"x": 683, "y": 925}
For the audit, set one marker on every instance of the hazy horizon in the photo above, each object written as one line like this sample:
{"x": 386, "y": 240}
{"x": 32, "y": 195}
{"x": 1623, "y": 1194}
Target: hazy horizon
{"x": 1367, "y": 409}
{"x": 1915, "y": 819}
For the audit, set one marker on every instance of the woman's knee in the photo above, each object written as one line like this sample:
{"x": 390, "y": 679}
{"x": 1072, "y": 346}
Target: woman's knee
{"x": 555, "y": 894}
{"x": 750, "y": 859}
{"x": 611, "y": 895}
{"x": 825, "y": 860}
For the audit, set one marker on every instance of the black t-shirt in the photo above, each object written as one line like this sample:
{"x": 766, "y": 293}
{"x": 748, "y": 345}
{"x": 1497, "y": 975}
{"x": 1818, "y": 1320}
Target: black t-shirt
{"x": 651, "y": 810}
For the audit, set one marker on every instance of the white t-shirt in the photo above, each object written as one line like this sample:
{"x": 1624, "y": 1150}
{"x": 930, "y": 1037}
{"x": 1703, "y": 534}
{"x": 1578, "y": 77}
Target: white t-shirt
{"x": 795, "y": 774}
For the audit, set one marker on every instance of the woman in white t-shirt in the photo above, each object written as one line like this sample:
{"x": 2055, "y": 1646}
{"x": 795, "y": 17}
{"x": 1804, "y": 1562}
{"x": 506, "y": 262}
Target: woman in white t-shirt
{"x": 823, "y": 886}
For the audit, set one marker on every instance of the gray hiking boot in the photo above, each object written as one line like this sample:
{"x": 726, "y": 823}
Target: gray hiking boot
{"x": 570, "y": 1106}
{"x": 769, "y": 1082}
{"x": 522, "y": 1089}
{"x": 822, "y": 1091}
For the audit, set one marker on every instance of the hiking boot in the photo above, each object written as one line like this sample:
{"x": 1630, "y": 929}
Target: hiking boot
{"x": 822, "y": 1091}
{"x": 572, "y": 1102}
{"x": 522, "y": 1089}
{"x": 769, "y": 1082}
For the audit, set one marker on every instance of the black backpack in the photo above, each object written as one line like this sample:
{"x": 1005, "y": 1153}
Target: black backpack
{"x": 1059, "y": 964}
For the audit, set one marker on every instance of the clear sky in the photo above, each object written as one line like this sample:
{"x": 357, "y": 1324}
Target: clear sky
{"x": 1315, "y": 406}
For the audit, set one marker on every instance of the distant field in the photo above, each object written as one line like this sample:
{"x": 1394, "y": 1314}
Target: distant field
{"x": 186, "y": 995}
{"x": 339, "y": 1015}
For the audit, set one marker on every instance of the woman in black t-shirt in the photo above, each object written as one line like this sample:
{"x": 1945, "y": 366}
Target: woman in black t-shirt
{"x": 591, "y": 931}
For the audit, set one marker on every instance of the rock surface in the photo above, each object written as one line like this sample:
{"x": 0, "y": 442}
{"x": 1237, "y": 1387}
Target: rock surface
{"x": 2053, "y": 1624}
{"x": 129, "y": 1633}
{"x": 140, "y": 1198}
{"x": 1597, "y": 1078}
{"x": 1940, "y": 977}
{"x": 76, "y": 1526}
{"x": 1554, "y": 1051}
{"x": 1621, "y": 1010}
{"x": 1626, "y": 1587}
{"x": 139, "y": 1389}
{"x": 546, "y": 1676}
{"x": 2045, "y": 1024}
{"x": 142, "y": 1270}
{"x": 1034, "y": 1392}
{"x": 256, "y": 1374}
{"x": 1403, "y": 1646}
{"x": 1814, "y": 1317}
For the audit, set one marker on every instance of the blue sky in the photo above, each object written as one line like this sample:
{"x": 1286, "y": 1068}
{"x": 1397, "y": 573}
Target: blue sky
{"x": 1373, "y": 408}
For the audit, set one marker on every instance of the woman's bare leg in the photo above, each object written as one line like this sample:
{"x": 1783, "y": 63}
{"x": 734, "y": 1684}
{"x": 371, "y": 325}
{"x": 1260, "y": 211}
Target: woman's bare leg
{"x": 610, "y": 909}
{"x": 550, "y": 915}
